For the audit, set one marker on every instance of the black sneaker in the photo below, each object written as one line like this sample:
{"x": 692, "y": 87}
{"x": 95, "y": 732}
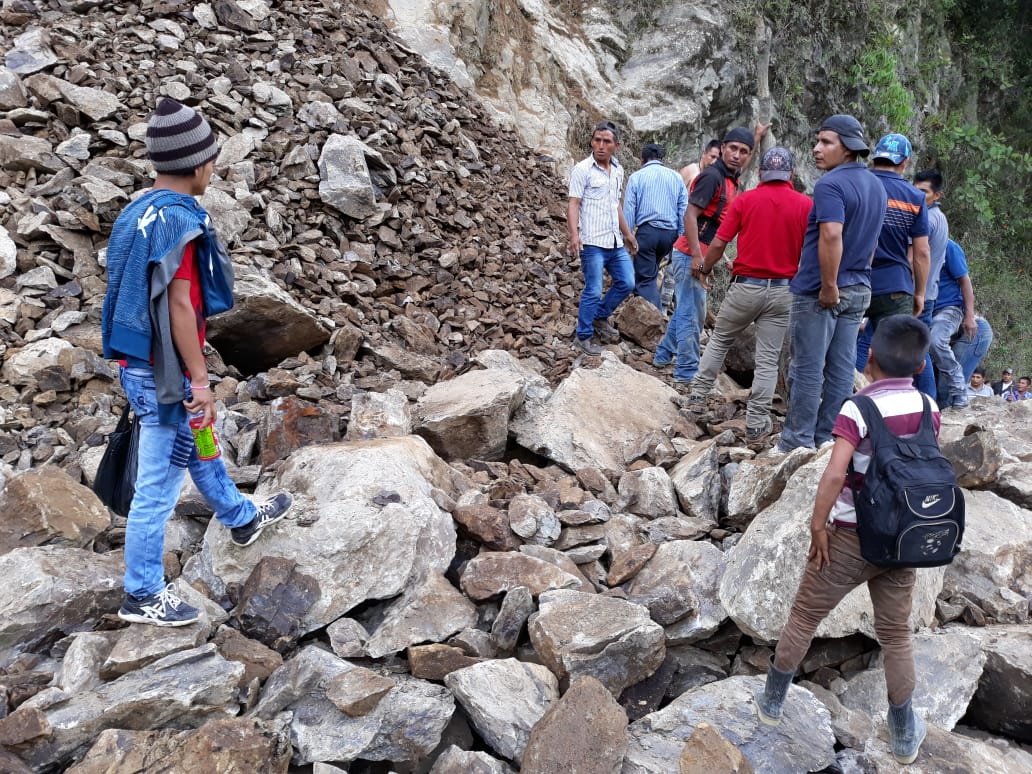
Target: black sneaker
{"x": 606, "y": 332}
{"x": 162, "y": 609}
{"x": 269, "y": 512}
{"x": 588, "y": 346}
{"x": 753, "y": 434}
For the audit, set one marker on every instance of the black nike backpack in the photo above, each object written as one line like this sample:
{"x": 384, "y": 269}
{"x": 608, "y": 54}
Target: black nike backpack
{"x": 909, "y": 509}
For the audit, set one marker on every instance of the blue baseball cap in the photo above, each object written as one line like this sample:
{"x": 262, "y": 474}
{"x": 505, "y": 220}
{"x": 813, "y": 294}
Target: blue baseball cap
{"x": 894, "y": 147}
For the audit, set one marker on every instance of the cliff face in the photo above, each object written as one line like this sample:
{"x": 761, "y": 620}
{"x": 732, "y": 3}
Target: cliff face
{"x": 681, "y": 73}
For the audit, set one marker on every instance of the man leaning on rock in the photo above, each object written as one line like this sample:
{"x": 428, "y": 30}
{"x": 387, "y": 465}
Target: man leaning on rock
{"x": 166, "y": 274}
{"x": 600, "y": 237}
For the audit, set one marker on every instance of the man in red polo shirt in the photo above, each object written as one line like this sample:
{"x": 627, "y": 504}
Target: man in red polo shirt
{"x": 770, "y": 222}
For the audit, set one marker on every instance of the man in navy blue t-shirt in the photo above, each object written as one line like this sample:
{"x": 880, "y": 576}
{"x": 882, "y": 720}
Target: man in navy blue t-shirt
{"x": 899, "y": 274}
{"x": 831, "y": 291}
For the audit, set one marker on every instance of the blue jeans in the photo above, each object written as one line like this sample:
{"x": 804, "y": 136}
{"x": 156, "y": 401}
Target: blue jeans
{"x": 682, "y": 334}
{"x": 925, "y": 381}
{"x": 820, "y": 373}
{"x": 165, "y": 453}
{"x": 945, "y": 323}
{"x": 969, "y": 352}
{"x": 593, "y": 306}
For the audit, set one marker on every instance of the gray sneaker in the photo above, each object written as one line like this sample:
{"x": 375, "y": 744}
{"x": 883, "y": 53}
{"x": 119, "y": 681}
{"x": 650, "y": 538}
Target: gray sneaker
{"x": 268, "y": 513}
{"x": 588, "y": 346}
{"x": 606, "y": 332}
{"x": 753, "y": 434}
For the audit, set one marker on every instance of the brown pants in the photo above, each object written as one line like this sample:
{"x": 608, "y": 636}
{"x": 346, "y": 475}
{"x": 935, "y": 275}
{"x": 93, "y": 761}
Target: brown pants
{"x": 821, "y": 590}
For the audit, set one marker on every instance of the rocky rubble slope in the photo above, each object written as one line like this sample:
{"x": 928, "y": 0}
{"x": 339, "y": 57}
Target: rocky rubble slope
{"x": 499, "y": 558}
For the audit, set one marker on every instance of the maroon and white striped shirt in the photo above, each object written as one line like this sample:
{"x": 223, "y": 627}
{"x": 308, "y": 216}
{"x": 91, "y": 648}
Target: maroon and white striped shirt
{"x": 901, "y": 407}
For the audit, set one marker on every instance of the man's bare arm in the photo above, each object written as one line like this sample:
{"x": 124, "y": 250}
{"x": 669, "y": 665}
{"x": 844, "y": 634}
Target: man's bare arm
{"x": 829, "y": 256}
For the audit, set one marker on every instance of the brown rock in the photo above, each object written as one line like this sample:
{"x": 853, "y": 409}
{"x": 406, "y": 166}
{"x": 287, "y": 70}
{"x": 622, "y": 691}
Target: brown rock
{"x": 493, "y": 573}
{"x": 358, "y": 691}
{"x": 585, "y": 732}
{"x": 433, "y": 662}
{"x": 44, "y": 505}
{"x": 273, "y": 602}
{"x": 23, "y": 725}
{"x": 258, "y": 660}
{"x": 976, "y": 458}
{"x": 707, "y": 752}
{"x": 488, "y": 525}
{"x": 641, "y": 322}
{"x": 626, "y": 565}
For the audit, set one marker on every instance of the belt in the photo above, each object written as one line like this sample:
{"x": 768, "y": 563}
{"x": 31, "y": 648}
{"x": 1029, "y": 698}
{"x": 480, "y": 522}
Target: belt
{"x": 844, "y": 524}
{"x": 768, "y": 283}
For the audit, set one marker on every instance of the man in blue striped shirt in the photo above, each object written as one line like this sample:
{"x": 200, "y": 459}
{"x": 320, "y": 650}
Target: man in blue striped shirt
{"x": 654, "y": 206}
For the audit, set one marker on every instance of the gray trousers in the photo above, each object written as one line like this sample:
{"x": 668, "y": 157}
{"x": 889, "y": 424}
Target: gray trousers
{"x": 770, "y": 309}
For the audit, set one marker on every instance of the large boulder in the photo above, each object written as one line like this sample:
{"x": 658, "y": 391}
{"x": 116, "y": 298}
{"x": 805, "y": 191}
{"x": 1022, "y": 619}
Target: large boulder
{"x": 765, "y": 567}
{"x": 589, "y": 422}
{"x": 182, "y": 690}
{"x": 55, "y": 590}
{"x": 996, "y": 549}
{"x": 468, "y": 416}
{"x": 612, "y": 640}
{"x": 1003, "y": 701}
{"x": 948, "y": 666}
{"x": 371, "y": 526}
{"x": 45, "y": 505}
{"x": 802, "y": 742}
{"x": 504, "y": 699}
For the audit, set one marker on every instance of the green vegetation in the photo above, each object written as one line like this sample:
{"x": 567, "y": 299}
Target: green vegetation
{"x": 882, "y": 93}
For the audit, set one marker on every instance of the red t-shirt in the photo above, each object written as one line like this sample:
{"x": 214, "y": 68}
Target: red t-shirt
{"x": 770, "y": 221}
{"x": 188, "y": 270}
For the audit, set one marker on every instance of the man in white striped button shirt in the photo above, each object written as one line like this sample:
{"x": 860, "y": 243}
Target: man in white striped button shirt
{"x": 600, "y": 237}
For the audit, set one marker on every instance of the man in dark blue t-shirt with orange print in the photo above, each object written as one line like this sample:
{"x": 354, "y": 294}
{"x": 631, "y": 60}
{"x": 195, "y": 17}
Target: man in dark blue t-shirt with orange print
{"x": 832, "y": 288}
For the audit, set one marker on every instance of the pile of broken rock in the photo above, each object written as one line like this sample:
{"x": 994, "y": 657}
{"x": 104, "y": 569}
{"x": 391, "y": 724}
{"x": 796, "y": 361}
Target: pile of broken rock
{"x": 499, "y": 558}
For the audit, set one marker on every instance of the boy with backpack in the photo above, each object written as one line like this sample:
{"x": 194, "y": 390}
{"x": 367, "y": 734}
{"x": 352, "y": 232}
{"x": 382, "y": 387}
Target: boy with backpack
{"x": 835, "y": 564}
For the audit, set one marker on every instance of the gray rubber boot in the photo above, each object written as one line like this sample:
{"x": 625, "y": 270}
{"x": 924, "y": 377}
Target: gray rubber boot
{"x": 770, "y": 701}
{"x": 906, "y": 732}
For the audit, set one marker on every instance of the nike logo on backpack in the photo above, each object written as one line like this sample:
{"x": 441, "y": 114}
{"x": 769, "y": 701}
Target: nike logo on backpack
{"x": 931, "y": 500}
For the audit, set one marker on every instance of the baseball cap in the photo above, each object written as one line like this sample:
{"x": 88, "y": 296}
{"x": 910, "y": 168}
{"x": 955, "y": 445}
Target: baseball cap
{"x": 776, "y": 164}
{"x": 739, "y": 134}
{"x": 849, "y": 131}
{"x": 1009, "y": 371}
{"x": 894, "y": 147}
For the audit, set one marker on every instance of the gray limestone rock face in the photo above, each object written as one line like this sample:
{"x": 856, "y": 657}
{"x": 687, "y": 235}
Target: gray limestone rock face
{"x": 468, "y": 417}
{"x": 948, "y": 665}
{"x": 696, "y": 479}
{"x": 51, "y": 589}
{"x": 344, "y": 181}
{"x": 430, "y": 610}
{"x": 491, "y": 573}
{"x": 45, "y": 505}
{"x": 803, "y": 742}
{"x": 457, "y": 761}
{"x": 533, "y": 519}
{"x": 610, "y": 639}
{"x": 12, "y": 92}
{"x": 765, "y": 567}
{"x": 264, "y": 326}
{"x": 379, "y": 415}
{"x": 682, "y": 571}
{"x": 184, "y": 689}
{"x": 31, "y": 52}
{"x": 355, "y": 546}
{"x": 997, "y": 546}
{"x": 1014, "y": 482}
{"x": 1003, "y": 701}
{"x": 584, "y": 732}
{"x": 504, "y": 699}
{"x": 588, "y": 421}
{"x": 648, "y": 492}
{"x": 8, "y": 256}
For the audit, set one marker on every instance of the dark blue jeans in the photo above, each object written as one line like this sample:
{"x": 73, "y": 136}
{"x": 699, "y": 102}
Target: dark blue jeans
{"x": 653, "y": 244}
{"x": 593, "y": 305}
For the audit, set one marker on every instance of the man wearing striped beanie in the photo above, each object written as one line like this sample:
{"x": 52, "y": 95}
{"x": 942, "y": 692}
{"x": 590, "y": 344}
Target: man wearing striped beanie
{"x": 167, "y": 272}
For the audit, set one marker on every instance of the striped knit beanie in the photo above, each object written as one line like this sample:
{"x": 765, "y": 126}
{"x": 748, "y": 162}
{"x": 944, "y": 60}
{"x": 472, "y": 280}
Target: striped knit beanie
{"x": 178, "y": 139}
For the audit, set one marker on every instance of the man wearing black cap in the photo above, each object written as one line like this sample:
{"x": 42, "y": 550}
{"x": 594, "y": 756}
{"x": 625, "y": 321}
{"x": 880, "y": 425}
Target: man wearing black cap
{"x": 166, "y": 273}
{"x": 1006, "y": 382}
{"x": 832, "y": 288}
{"x": 770, "y": 222}
{"x": 654, "y": 205}
{"x": 711, "y": 194}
